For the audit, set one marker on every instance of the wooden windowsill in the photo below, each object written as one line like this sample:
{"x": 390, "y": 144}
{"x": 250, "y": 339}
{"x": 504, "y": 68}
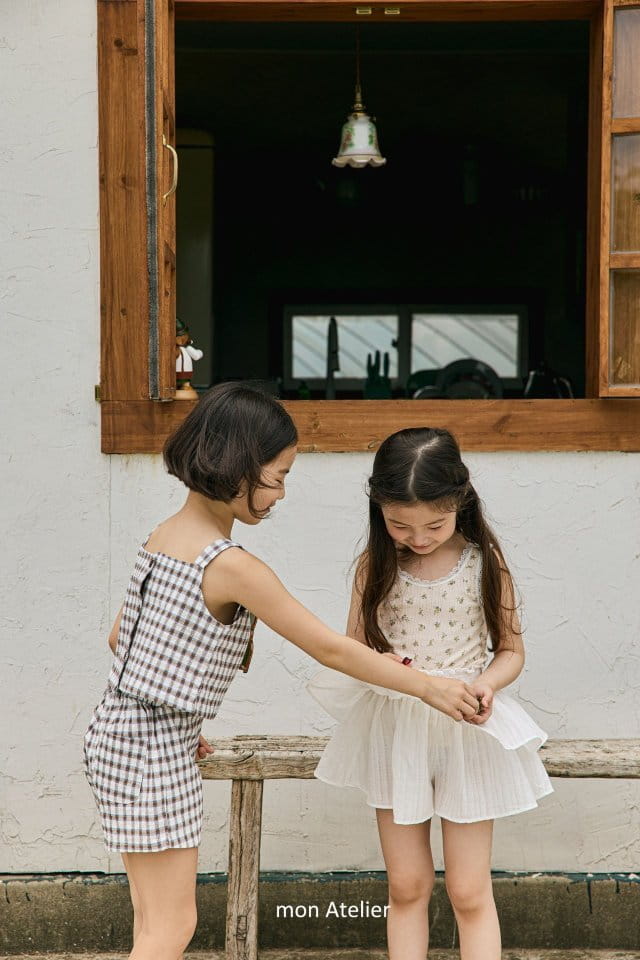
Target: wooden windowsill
{"x": 338, "y": 426}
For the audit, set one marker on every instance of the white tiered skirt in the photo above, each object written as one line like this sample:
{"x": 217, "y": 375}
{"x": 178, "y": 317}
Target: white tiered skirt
{"x": 413, "y": 759}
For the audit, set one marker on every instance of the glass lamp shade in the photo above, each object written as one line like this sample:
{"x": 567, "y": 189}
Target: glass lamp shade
{"x": 359, "y": 143}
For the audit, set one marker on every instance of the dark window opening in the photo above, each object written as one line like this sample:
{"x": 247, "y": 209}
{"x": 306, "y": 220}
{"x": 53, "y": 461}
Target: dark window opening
{"x": 481, "y": 205}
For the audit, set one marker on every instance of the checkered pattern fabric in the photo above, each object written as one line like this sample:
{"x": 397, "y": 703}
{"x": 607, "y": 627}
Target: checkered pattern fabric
{"x": 172, "y": 666}
{"x": 139, "y": 760}
{"x": 170, "y": 648}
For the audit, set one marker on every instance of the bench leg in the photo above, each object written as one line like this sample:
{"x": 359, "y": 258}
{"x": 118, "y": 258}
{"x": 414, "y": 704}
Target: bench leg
{"x": 244, "y": 866}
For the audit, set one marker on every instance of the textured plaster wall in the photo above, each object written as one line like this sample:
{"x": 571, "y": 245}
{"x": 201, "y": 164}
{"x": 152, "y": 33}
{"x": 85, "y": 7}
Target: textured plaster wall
{"x": 569, "y": 524}
{"x": 72, "y": 519}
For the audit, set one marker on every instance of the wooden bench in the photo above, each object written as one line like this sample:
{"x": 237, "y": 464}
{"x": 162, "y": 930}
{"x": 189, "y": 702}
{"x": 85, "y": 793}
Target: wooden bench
{"x": 250, "y": 760}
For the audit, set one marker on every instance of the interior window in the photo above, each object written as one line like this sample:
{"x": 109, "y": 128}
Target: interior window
{"x": 496, "y": 339}
{"x": 357, "y": 338}
{"x": 468, "y": 244}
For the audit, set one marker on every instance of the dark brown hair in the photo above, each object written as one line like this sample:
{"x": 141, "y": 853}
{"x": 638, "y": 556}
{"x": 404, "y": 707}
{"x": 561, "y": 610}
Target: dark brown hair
{"x": 226, "y": 440}
{"x": 423, "y": 465}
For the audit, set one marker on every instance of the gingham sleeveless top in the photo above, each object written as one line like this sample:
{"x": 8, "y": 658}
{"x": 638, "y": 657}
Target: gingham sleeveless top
{"x": 439, "y": 623}
{"x": 171, "y": 649}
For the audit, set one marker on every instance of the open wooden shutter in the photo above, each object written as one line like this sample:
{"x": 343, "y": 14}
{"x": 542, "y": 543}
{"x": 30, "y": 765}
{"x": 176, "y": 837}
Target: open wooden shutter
{"x": 137, "y": 234}
{"x": 619, "y": 326}
{"x": 162, "y": 181}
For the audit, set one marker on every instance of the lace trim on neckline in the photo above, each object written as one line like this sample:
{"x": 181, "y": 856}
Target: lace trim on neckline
{"x": 462, "y": 559}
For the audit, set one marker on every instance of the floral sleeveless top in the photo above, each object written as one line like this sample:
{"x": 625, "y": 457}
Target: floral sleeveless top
{"x": 439, "y": 623}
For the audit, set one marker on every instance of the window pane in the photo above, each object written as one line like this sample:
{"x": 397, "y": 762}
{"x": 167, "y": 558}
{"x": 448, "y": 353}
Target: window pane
{"x": 625, "y": 200}
{"x": 626, "y": 59}
{"x": 440, "y": 338}
{"x": 357, "y": 337}
{"x": 625, "y": 327}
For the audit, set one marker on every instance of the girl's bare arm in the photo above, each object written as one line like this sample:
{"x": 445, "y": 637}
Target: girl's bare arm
{"x": 115, "y": 629}
{"x": 237, "y": 576}
{"x": 508, "y": 662}
{"x": 355, "y": 623}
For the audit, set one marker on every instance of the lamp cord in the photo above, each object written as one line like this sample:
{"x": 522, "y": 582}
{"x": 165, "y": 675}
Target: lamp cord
{"x": 358, "y": 104}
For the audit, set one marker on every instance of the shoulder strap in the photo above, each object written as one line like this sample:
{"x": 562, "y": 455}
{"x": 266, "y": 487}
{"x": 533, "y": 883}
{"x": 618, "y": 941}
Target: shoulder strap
{"x": 213, "y": 550}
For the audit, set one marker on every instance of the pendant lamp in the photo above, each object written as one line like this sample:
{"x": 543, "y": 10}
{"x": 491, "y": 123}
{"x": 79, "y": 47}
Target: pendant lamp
{"x": 359, "y": 141}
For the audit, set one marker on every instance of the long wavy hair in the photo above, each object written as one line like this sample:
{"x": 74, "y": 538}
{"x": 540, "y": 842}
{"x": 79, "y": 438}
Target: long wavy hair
{"x": 423, "y": 465}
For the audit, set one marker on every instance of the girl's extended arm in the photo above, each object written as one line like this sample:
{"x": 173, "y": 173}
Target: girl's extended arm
{"x": 237, "y": 576}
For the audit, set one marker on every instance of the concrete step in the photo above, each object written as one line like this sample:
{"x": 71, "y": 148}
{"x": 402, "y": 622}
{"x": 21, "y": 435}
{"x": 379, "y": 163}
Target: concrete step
{"x": 298, "y": 954}
{"x": 92, "y": 913}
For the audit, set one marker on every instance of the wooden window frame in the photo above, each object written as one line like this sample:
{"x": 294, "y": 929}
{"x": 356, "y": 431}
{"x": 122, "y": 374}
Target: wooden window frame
{"x": 137, "y": 241}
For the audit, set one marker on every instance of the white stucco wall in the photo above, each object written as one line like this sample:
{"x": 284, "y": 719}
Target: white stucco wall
{"x": 72, "y": 519}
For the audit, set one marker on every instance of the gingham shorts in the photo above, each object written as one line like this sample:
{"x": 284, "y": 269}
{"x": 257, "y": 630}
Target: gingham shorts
{"x": 140, "y": 762}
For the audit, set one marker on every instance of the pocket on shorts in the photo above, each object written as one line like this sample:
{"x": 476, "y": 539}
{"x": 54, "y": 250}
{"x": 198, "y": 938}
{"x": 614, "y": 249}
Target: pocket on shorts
{"x": 116, "y": 767}
{"x": 116, "y": 758}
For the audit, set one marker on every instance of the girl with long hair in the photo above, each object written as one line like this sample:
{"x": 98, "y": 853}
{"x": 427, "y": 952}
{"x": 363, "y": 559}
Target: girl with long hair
{"x": 432, "y": 589}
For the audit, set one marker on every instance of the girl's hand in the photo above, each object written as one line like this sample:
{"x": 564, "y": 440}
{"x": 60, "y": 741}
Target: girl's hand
{"x": 452, "y": 697}
{"x": 484, "y": 692}
{"x": 203, "y": 748}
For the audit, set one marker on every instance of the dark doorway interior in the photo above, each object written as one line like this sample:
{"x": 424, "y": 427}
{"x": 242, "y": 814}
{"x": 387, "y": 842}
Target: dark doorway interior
{"x": 483, "y": 198}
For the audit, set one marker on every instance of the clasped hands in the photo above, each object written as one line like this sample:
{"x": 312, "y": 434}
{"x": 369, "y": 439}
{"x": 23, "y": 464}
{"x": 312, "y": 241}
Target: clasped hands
{"x": 479, "y": 689}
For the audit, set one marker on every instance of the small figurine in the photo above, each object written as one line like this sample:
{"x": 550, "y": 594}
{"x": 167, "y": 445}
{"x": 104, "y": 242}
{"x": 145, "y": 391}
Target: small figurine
{"x": 186, "y": 353}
